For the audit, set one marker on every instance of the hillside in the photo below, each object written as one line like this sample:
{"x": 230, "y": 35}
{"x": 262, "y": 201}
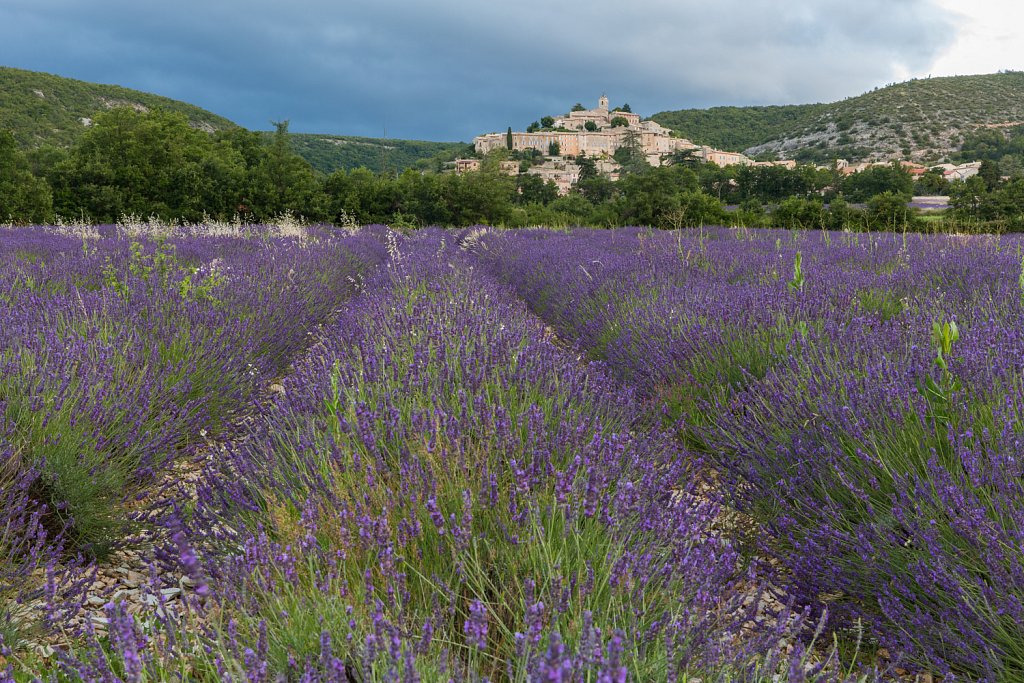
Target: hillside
{"x": 40, "y": 108}
{"x": 329, "y": 153}
{"x": 921, "y": 119}
{"x": 737, "y": 128}
{"x": 43, "y": 109}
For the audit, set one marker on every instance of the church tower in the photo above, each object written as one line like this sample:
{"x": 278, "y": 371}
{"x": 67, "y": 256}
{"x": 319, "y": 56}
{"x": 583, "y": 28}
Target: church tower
{"x": 602, "y": 103}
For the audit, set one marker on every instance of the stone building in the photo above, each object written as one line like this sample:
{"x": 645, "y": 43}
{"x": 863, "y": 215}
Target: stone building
{"x": 573, "y": 139}
{"x": 564, "y": 174}
{"x": 600, "y": 117}
{"x": 466, "y": 165}
{"x": 720, "y": 158}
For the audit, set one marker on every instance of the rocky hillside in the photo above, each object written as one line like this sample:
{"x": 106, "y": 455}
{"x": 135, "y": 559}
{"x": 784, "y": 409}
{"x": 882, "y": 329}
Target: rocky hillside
{"x": 923, "y": 119}
{"x": 43, "y": 109}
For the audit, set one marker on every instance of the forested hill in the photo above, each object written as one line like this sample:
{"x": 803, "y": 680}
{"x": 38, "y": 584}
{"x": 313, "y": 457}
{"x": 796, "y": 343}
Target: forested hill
{"x": 43, "y": 109}
{"x": 923, "y": 119}
{"x": 329, "y": 153}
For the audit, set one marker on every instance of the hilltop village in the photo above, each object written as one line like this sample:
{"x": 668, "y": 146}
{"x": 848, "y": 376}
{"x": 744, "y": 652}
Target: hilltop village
{"x": 557, "y": 143}
{"x": 597, "y": 134}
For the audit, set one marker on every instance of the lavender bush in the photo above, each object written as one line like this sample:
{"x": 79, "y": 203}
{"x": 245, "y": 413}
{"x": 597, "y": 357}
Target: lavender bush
{"x": 117, "y": 356}
{"x": 442, "y": 487}
{"x": 877, "y": 449}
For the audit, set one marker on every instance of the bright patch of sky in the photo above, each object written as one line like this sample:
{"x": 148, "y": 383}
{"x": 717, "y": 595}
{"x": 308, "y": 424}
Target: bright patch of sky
{"x": 990, "y": 38}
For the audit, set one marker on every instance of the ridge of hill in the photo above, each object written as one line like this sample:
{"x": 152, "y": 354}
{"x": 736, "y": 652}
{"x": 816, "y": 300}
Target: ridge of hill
{"x": 329, "y": 153}
{"x": 924, "y": 119}
{"x": 44, "y": 109}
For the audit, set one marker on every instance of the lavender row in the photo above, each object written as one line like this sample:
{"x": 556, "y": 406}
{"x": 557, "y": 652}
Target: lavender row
{"x": 429, "y": 463}
{"x": 443, "y": 492}
{"x": 118, "y": 354}
{"x": 876, "y": 444}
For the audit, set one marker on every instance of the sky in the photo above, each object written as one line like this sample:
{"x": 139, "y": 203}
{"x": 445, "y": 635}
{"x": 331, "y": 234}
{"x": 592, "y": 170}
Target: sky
{"x": 452, "y": 69}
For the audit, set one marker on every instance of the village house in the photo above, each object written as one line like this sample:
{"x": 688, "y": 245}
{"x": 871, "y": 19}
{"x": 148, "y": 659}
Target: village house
{"x": 949, "y": 171}
{"x": 785, "y": 163}
{"x": 963, "y": 171}
{"x": 914, "y": 169}
{"x": 466, "y": 165}
{"x": 564, "y": 174}
{"x": 461, "y": 166}
{"x": 720, "y": 158}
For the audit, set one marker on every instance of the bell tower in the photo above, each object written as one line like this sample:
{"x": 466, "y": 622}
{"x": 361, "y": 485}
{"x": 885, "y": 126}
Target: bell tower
{"x": 602, "y": 103}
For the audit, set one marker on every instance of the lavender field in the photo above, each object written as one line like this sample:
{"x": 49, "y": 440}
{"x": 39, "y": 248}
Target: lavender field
{"x": 313, "y": 454}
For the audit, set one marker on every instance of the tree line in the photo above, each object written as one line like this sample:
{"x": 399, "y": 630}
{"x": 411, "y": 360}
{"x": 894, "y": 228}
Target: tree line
{"x": 155, "y": 164}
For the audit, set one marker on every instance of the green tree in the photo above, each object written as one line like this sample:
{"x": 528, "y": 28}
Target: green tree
{"x": 990, "y": 172}
{"x": 148, "y": 163}
{"x": 285, "y": 182}
{"x": 508, "y": 139}
{"x": 597, "y": 189}
{"x": 547, "y": 121}
{"x": 1009, "y": 203}
{"x": 532, "y": 189}
{"x": 24, "y": 198}
{"x": 683, "y": 157}
{"x": 578, "y": 107}
{"x": 985, "y": 144}
{"x": 485, "y": 197}
{"x": 842, "y": 216}
{"x": 574, "y": 208}
{"x": 718, "y": 181}
{"x": 800, "y": 213}
{"x": 770, "y": 184}
{"x": 889, "y": 211}
{"x": 894, "y": 178}
{"x": 931, "y": 183}
{"x": 588, "y": 168}
{"x": 695, "y": 209}
{"x": 554, "y": 149}
{"x": 969, "y": 198}
{"x": 359, "y": 193}
{"x": 750, "y": 213}
{"x": 619, "y": 121}
{"x": 630, "y": 155}
{"x": 43, "y": 159}
{"x": 590, "y": 125}
{"x": 666, "y": 197}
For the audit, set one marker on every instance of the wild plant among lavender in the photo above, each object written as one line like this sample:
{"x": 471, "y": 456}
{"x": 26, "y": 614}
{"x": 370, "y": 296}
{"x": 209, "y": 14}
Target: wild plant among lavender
{"x": 797, "y": 283}
{"x": 1020, "y": 279}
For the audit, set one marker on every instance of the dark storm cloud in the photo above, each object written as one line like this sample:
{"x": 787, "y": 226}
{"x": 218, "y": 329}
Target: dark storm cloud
{"x": 450, "y": 69}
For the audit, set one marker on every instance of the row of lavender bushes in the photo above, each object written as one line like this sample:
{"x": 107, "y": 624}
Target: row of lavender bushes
{"x": 859, "y": 396}
{"x": 446, "y": 492}
{"x": 118, "y": 352}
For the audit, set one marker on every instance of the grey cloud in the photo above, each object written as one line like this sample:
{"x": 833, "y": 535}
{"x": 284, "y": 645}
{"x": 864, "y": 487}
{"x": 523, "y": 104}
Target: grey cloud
{"x": 449, "y": 69}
